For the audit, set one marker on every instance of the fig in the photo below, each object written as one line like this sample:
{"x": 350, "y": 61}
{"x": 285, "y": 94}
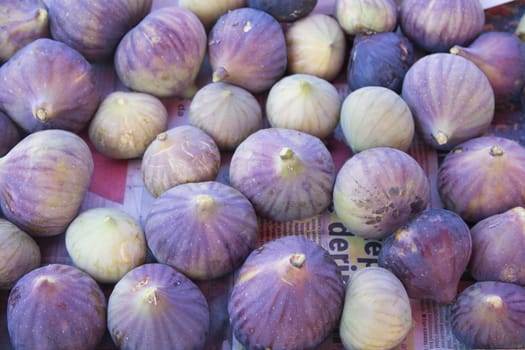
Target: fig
{"x": 92, "y": 28}
{"x": 179, "y": 155}
{"x": 501, "y": 56}
{"x": 429, "y": 254}
{"x": 247, "y": 48}
{"x": 270, "y": 305}
{"x": 43, "y": 181}
{"x": 162, "y": 55}
{"x": 126, "y": 122}
{"x": 9, "y": 134}
{"x": 496, "y": 247}
{"x": 380, "y": 59}
{"x": 226, "y": 112}
{"x": 284, "y": 11}
{"x": 106, "y": 243}
{"x": 376, "y": 312}
{"x": 375, "y": 116}
{"x": 48, "y": 85}
{"x": 154, "y": 306}
{"x": 209, "y": 11}
{"x": 304, "y": 102}
{"x": 489, "y": 315}
{"x": 19, "y": 254}
{"x": 286, "y": 174}
{"x": 378, "y": 190}
{"x": 450, "y": 98}
{"x": 366, "y": 16}
{"x": 204, "y": 229}
{"x": 436, "y": 26}
{"x": 482, "y": 177}
{"x": 316, "y": 45}
{"x": 56, "y": 306}
{"x": 22, "y": 22}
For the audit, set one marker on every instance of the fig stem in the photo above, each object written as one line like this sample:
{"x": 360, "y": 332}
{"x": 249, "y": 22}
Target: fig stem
{"x": 150, "y": 296}
{"x": 494, "y": 301}
{"x": 162, "y": 136}
{"x": 455, "y": 50}
{"x": 220, "y": 74}
{"x": 441, "y": 138}
{"x": 41, "y": 114}
{"x": 286, "y": 153}
{"x": 297, "y": 260}
{"x": 496, "y": 151}
{"x": 290, "y": 163}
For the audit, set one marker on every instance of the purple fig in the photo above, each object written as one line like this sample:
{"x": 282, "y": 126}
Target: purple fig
{"x": 56, "y": 306}
{"x": 498, "y": 248}
{"x": 429, "y": 254}
{"x": 9, "y": 134}
{"x": 155, "y": 306}
{"x": 48, "y": 85}
{"x": 271, "y": 306}
{"x": 501, "y": 56}
{"x": 284, "y": 11}
{"x": 94, "y": 28}
{"x": 204, "y": 229}
{"x": 450, "y": 97}
{"x": 436, "y": 26}
{"x": 22, "y": 22}
{"x": 247, "y": 47}
{"x": 489, "y": 315}
{"x": 482, "y": 177}
{"x": 380, "y": 59}
{"x": 43, "y": 181}
{"x": 162, "y": 55}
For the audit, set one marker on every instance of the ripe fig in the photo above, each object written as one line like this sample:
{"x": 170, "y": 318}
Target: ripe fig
{"x": 270, "y": 305}
{"x": 205, "y": 229}
{"x": 482, "y": 177}
{"x": 22, "y": 22}
{"x": 429, "y": 254}
{"x": 56, "y": 306}
{"x": 489, "y": 315}
{"x": 247, "y": 47}
{"x": 179, "y": 155}
{"x": 9, "y": 134}
{"x": 436, "y": 26}
{"x": 450, "y": 97}
{"x": 284, "y": 11}
{"x": 501, "y": 56}
{"x": 497, "y": 253}
{"x": 43, "y": 181}
{"x": 366, "y": 16}
{"x": 380, "y": 59}
{"x": 48, "y": 85}
{"x": 378, "y": 190}
{"x": 163, "y": 53}
{"x": 156, "y": 307}
{"x": 209, "y": 11}
{"x": 94, "y": 28}
{"x": 286, "y": 174}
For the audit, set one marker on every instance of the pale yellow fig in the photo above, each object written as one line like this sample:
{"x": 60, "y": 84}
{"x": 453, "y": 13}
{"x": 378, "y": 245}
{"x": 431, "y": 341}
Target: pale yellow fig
{"x": 209, "y": 11}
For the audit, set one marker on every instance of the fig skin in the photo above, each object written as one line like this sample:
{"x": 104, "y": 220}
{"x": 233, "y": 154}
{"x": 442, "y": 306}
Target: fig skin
{"x": 429, "y": 254}
{"x": 489, "y": 315}
{"x": 451, "y": 99}
{"x": 19, "y": 254}
{"x": 286, "y": 174}
{"x": 205, "y": 230}
{"x": 56, "y": 306}
{"x": 51, "y": 86}
{"x": 270, "y": 304}
{"x": 155, "y": 306}
{"x": 22, "y": 22}
{"x": 482, "y": 177}
{"x": 179, "y": 155}
{"x": 92, "y": 28}
{"x": 126, "y": 122}
{"x": 209, "y": 11}
{"x": 501, "y": 56}
{"x": 247, "y": 48}
{"x": 378, "y": 190}
{"x": 43, "y": 181}
{"x": 162, "y": 55}
{"x": 284, "y": 11}
{"x": 436, "y": 26}
{"x": 380, "y": 59}
{"x": 9, "y": 134}
{"x": 316, "y": 45}
{"x": 366, "y": 16}
{"x": 497, "y": 253}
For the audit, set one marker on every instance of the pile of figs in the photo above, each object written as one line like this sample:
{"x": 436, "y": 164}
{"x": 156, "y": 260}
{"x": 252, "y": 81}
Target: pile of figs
{"x": 235, "y": 114}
